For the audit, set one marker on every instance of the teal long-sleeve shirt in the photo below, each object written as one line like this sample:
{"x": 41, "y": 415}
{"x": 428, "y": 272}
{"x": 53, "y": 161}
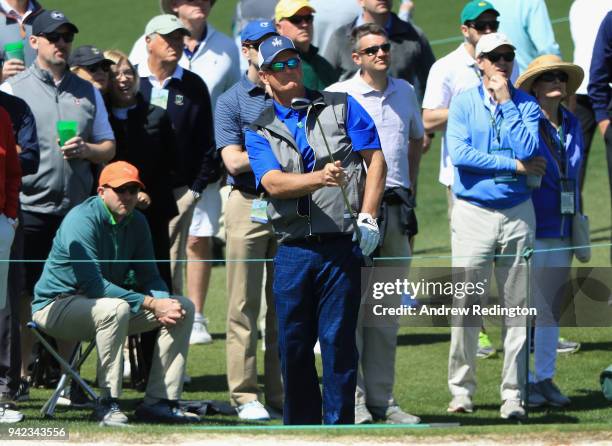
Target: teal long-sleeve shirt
{"x": 527, "y": 24}
{"x": 82, "y": 255}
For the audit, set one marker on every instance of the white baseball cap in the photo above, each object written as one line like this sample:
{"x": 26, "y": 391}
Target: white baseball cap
{"x": 489, "y": 42}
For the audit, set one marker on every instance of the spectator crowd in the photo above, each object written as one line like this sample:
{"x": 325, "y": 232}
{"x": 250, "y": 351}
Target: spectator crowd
{"x": 297, "y": 138}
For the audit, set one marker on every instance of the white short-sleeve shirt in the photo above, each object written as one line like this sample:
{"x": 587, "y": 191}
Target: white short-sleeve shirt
{"x": 397, "y": 116}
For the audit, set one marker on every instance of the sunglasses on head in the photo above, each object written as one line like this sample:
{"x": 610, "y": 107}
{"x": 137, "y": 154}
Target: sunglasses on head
{"x": 495, "y": 57}
{"x": 482, "y": 25}
{"x": 292, "y": 63}
{"x": 298, "y": 19}
{"x": 550, "y": 76}
{"x": 132, "y": 189}
{"x": 373, "y": 50}
{"x": 55, "y": 36}
{"x": 98, "y": 66}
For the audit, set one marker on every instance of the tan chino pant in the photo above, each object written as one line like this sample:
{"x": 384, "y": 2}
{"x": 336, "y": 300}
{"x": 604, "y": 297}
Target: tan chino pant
{"x": 477, "y": 235}
{"x": 377, "y": 344}
{"x": 109, "y": 321}
{"x": 178, "y": 229}
{"x": 249, "y": 240}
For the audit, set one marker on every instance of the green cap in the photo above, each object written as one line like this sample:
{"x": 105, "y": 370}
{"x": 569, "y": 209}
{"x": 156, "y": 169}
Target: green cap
{"x": 474, "y": 8}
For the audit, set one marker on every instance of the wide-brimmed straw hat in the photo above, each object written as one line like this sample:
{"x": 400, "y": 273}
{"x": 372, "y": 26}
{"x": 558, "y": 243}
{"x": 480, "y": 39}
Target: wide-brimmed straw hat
{"x": 550, "y": 62}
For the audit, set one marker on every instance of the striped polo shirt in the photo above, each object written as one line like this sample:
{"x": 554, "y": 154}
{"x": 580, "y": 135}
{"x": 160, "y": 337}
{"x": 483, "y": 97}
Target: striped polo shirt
{"x": 236, "y": 109}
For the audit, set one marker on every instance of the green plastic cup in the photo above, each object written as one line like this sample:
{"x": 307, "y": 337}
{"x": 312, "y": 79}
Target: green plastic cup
{"x": 66, "y": 130}
{"x": 14, "y": 50}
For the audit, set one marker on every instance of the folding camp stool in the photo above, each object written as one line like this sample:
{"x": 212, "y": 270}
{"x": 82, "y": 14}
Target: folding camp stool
{"x": 70, "y": 371}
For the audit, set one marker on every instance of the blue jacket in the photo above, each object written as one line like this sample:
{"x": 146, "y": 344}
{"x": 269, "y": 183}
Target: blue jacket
{"x": 600, "y": 74}
{"x": 472, "y": 143}
{"x": 547, "y": 199}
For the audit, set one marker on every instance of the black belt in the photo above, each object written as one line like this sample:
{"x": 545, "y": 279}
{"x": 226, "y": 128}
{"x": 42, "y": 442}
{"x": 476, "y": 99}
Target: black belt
{"x": 319, "y": 238}
{"x": 245, "y": 189}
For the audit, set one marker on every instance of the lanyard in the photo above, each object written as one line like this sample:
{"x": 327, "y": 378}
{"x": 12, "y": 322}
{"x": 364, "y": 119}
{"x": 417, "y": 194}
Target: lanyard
{"x": 494, "y": 125}
{"x": 559, "y": 152}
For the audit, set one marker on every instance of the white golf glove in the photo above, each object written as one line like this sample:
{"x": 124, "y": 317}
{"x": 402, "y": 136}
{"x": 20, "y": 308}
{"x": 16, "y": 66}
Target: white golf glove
{"x": 370, "y": 234}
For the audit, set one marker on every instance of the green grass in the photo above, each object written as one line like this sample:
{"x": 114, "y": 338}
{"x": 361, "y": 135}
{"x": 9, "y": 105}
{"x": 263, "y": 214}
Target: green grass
{"x": 421, "y": 367}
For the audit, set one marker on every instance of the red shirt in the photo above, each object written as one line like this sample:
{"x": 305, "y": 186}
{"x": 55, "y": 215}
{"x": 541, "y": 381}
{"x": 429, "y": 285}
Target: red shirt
{"x": 10, "y": 169}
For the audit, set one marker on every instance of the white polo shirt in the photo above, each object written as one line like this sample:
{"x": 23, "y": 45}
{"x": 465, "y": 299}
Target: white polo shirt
{"x": 216, "y": 61}
{"x": 449, "y": 76}
{"x": 397, "y": 116}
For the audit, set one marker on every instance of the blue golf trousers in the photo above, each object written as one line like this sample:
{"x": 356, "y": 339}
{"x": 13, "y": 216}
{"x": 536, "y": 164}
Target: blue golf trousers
{"x": 317, "y": 294}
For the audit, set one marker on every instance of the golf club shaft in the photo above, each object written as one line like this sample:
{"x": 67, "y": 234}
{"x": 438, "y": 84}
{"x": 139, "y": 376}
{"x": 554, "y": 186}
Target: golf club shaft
{"x": 367, "y": 260}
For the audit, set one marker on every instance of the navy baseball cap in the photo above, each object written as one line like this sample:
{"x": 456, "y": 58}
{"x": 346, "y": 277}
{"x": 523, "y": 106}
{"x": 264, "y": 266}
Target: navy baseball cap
{"x": 256, "y": 30}
{"x": 87, "y": 55}
{"x": 272, "y": 46}
{"x": 48, "y": 21}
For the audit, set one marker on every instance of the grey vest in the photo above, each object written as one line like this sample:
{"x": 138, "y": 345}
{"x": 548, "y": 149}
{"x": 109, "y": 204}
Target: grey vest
{"x": 59, "y": 184}
{"x": 11, "y": 31}
{"x": 322, "y": 211}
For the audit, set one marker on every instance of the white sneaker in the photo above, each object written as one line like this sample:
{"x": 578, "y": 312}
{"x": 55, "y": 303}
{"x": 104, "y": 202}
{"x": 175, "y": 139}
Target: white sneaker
{"x": 253, "y": 411}
{"x": 199, "y": 332}
{"x": 8, "y": 415}
{"x": 317, "y": 348}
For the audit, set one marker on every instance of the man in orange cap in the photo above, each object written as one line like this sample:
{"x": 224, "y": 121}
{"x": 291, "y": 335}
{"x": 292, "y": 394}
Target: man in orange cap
{"x": 80, "y": 296}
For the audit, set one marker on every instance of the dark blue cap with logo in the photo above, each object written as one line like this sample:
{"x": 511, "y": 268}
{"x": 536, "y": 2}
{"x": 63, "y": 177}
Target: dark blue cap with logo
{"x": 256, "y": 30}
{"x": 48, "y": 21}
{"x": 272, "y": 46}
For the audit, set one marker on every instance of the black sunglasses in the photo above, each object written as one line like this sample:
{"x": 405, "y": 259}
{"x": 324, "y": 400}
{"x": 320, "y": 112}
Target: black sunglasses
{"x": 133, "y": 189}
{"x": 254, "y": 44}
{"x": 292, "y": 63}
{"x": 98, "y": 66}
{"x": 550, "y": 76}
{"x": 298, "y": 19}
{"x": 482, "y": 25}
{"x": 54, "y": 36}
{"x": 495, "y": 57}
{"x": 373, "y": 50}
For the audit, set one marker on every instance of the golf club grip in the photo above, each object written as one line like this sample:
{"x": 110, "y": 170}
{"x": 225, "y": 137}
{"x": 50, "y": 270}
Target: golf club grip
{"x": 366, "y": 259}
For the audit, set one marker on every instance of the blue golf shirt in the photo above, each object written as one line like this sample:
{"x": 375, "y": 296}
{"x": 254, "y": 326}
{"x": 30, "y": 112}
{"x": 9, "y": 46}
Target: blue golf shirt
{"x": 484, "y": 142}
{"x": 359, "y": 127}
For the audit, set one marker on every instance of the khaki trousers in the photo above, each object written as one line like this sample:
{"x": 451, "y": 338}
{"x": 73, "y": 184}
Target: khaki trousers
{"x": 478, "y": 234}
{"x": 249, "y": 240}
{"x": 178, "y": 229}
{"x": 109, "y": 321}
{"x": 377, "y": 345}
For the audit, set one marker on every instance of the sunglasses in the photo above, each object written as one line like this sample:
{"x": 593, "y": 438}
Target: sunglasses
{"x": 128, "y": 74}
{"x": 98, "y": 66}
{"x": 54, "y": 37}
{"x": 298, "y": 19}
{"x": 495, "y": 57}
{"x": 278, "y": 67}
{"x": 482, "y": 25}
{"x": 132, "y": 189}
{"x": 550, "y": 76}
{"x": 373, "y": 50}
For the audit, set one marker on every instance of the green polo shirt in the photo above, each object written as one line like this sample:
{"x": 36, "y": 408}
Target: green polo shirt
{"x": 318, "y": 72}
